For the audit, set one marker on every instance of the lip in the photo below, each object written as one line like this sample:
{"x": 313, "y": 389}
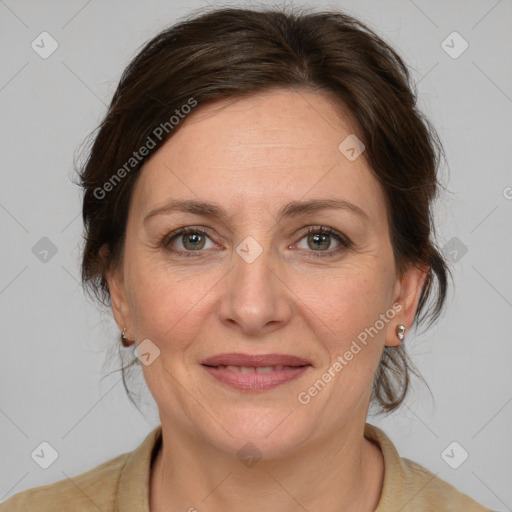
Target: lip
{"x": 254, "y": 360}
{"x": 291, "y": 367}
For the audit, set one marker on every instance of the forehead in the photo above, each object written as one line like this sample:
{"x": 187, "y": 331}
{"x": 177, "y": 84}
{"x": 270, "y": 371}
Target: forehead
{"x": 260, "y": 151}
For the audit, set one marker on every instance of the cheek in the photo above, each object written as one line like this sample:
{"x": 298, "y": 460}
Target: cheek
{"x": 165, "y": 305}
{"x": 347, "y": 301}
{"x": 346, "y": 317}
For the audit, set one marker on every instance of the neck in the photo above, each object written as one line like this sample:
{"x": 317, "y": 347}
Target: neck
{"x": 344, "y": 472}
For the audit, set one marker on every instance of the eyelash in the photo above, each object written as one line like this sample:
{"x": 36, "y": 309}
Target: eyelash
{"x": 321, "y": 230}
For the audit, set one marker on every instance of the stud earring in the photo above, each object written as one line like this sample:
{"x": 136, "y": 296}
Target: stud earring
{"x": 124, "y": 340}
{"x": 400, "y": 331}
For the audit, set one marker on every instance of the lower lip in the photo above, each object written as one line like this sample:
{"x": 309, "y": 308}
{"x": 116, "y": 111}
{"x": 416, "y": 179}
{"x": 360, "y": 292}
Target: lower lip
{"x": 256, "y": 381}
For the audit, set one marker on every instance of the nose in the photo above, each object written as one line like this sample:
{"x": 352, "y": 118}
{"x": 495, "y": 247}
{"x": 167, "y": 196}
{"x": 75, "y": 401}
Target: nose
{"x": 255, "y": 298}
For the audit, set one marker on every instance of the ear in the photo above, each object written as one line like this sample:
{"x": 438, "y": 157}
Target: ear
{"x": 407, "y": 294}
{"x": 115, "y": 280}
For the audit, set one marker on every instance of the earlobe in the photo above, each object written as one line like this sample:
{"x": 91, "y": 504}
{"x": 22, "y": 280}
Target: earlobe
{"x": 407, "y": 294}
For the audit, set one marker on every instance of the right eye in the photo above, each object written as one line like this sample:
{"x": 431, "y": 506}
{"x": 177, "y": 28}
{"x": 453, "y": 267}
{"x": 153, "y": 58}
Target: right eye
{"x": 191, "y": 240}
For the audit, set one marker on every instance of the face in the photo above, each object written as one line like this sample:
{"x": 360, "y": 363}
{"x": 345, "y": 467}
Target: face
{"x": 258, "y": 272}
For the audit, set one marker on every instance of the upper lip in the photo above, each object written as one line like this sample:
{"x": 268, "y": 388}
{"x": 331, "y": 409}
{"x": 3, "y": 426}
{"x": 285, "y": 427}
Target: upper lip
{"x": 254, "y": 360}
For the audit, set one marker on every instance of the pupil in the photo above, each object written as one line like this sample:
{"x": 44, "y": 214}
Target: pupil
{"x": 194, "y": 240}
{"x": 318, "y": 239}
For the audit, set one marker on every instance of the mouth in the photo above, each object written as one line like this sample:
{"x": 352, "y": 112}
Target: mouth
{"x": 257, "y": 372}
{"x": 254, "y": 369}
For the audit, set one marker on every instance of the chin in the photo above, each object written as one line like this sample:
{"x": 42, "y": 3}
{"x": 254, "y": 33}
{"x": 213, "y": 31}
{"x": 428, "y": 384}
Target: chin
{"x": 270, "y": 434}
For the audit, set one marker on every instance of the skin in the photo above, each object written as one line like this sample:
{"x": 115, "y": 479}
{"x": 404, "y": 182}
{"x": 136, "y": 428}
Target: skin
{"x": 252, "y": 156}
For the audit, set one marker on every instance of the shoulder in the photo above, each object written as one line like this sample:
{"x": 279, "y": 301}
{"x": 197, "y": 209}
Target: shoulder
{"x": 423, "y": 490}
{"x": 409, "y": 487}
{"x": 90, "y": 491}
{"x": 120, "y": 483}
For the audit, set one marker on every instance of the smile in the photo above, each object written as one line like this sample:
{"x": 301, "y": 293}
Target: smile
{"x": 260, "y": 378}
{"x": 252, "y": 369}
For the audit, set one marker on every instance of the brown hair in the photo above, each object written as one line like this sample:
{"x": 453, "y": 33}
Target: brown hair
{"x": 233, "y": 52}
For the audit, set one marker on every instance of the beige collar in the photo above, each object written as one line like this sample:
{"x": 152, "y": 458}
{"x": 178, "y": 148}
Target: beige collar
{"x": 133, "y": 487}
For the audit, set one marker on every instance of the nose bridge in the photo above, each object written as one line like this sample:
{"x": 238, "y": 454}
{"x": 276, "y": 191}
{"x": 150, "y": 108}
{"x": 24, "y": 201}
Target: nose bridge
{"x": 251, "y": 273}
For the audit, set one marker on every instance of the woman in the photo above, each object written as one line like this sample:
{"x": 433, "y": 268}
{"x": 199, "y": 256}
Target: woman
{"x": 257, "y": 206}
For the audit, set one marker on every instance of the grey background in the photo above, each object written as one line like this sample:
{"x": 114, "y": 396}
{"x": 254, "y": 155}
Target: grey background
{"x": 54, "y": 385}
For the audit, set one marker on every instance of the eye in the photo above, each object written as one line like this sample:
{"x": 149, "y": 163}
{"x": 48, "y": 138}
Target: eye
{"x": 190, "y": 239}
{"x": 319, "y": 239}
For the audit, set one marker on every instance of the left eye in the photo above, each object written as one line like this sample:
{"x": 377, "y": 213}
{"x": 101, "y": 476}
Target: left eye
{"x": 320, "y": 240}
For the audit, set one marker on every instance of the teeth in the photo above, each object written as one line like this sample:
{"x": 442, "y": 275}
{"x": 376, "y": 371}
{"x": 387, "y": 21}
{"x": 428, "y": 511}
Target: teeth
{"x": 248, "y": 369}
{"x": 265, "y": 369}
{"x": 237, "y": 369}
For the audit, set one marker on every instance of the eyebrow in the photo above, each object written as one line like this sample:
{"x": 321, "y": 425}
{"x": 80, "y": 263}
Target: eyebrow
{"x": 292, "y": 209}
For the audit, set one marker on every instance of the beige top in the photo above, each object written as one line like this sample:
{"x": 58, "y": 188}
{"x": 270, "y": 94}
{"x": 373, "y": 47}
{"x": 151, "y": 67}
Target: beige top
{"x": 122, "y": 485}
